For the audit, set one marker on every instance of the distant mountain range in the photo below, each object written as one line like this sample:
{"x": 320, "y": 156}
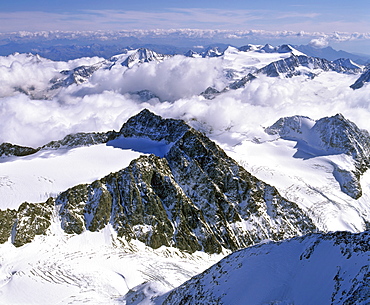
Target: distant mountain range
{"x": 64, "y": 50}
{"x": 330, "y": 54}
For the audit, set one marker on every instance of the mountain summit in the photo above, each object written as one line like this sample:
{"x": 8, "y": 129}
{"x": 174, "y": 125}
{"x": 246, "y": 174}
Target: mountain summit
{"x": 189, "y": 194}
{"x": 329, "y": 136}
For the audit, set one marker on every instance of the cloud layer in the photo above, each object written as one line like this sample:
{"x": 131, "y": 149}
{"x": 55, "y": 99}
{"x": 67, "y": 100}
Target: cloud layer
{"x": 109, "y": 99}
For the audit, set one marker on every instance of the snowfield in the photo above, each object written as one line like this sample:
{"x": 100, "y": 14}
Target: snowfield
{"x": 92, "y": 268}
{"x": 45, "y": 174}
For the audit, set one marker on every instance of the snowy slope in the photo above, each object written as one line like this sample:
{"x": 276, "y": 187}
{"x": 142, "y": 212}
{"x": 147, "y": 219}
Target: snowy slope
{"x": 310, "y": 173}
{"x": 315, "y": 269}
{"x": 93, "y": 268}
{"x": 37, "y": 177}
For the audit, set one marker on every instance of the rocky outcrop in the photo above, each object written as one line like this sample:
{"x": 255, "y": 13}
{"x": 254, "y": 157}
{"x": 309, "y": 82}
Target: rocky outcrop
{"x": 210, "y": 93}
{"x": 8, "y": 149}
{"x": 241, "y": 82}
{"x": 195, "y": 198}
{"x": 77, "y": 76}
{"x": 80, "y": 139}
{"x": 364, "y": 78}
{"x": 70, "y": 141}
{"x": 329, "y": 136}
{"x": 22, "y": 225}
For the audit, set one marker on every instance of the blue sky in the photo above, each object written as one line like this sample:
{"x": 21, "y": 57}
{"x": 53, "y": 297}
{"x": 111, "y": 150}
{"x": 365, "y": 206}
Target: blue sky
{"x": 324, "y": 16}
{"x": 313, "y": 15}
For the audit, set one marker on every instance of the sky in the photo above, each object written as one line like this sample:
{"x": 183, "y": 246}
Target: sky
{"x": 326, "y": 17}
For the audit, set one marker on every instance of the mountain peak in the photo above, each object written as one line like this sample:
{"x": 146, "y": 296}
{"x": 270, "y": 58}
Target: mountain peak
{"x": 360, "y": 82}
{"x": 152, "y": 126}
{"x": 329, "y": 136}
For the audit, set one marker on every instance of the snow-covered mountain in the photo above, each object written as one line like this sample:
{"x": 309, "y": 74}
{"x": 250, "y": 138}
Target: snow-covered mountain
{"x": 195, "y": 198}
{"x": 302, "y": 64}
{"x": 362, "y": 80}
{"x": 329, "y": 136}
{"x": 315, "y": 269}
{"x": 330, "y": 54}
{"x": 235, "y": 67}
{"x": 122, "y": 178}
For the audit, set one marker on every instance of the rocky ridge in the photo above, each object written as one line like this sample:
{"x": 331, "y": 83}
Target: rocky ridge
{"x": 261, "y": 274}
{"x": 296, "y": 64}
{"x": 8, "y": 149}
{"x": 364, "y": 78}
{"x": 291, "y": 66}
{"x": 81, "y": 74}
{"x": 77, "y": 76}
{"x": 193, "y": 198}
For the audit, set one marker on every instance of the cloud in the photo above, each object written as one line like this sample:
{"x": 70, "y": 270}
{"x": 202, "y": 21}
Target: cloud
{"x": 198, "y": 36}
{"x": 295, "y": 19}
{"x": 106, "y": 102}
{"x": 175, "y": 78}
{"x": 319, "y": 43}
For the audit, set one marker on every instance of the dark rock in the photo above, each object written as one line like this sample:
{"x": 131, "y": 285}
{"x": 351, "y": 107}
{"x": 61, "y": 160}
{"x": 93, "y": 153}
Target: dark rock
{"x": 360, "y": 82}
{"x": 24, "y": 224}
{"x": 7, "y": 149}
{"x": 194, "y": 199}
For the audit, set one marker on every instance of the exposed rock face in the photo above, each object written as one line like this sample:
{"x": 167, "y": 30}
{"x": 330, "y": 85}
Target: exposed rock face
{"x": 364, "y": 78}
{"x": 192, "y": 53}
{"x": 145, "y": 95}
{"x": 290, "y": 66}
{"x": 196, "y": 198}
{"x": 25, "y": 223}
{"x": 69, "y": 141}
{"x": 346, "y": 62}
{"x": 147, "y": 125}
{"x": 80, "y": 139}
{"x": 210, "y": 93}
{"x": 329, "y": 136}
{"x": 212, "y": 52}
{"x": 7, "y": 149}
{"x": 241, "y": 82}
{"x": 261, "y": 274}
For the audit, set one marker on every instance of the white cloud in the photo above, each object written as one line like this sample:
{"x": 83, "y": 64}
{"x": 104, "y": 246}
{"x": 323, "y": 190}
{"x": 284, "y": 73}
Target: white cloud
{"x": 348, "y": 40}
{"x": 295, "y": 19}
{"x": 105, "y": 103}
{"x": 321, "y": 42}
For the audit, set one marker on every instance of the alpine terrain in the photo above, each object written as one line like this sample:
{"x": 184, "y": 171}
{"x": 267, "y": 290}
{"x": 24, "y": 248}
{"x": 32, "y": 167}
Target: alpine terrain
{"x": 227, "y": 176}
